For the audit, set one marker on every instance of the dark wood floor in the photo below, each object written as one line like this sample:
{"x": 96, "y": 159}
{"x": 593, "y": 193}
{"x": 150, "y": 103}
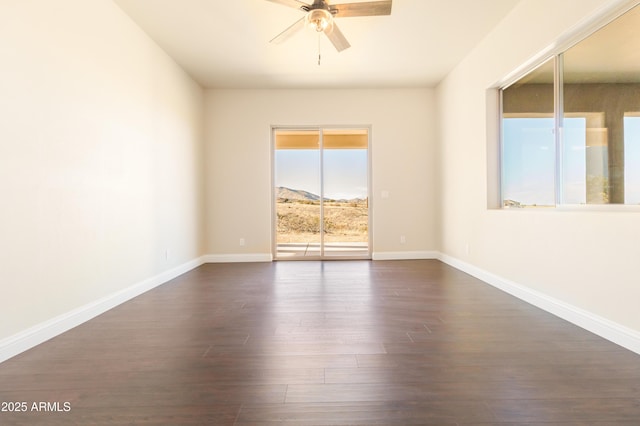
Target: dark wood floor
{"x": 311, "y": 343}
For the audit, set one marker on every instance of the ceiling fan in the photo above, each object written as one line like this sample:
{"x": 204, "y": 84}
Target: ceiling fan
{"x": 320, "y": 16}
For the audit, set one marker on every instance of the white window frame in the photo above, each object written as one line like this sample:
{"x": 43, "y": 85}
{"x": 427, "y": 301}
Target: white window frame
{"x": 589, "y": 26}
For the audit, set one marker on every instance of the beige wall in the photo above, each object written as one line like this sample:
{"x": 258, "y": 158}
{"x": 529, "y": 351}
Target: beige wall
{"x": 586, "y": 259}
{"x": 238, "y": 152}
{"x": 100, "y": 159}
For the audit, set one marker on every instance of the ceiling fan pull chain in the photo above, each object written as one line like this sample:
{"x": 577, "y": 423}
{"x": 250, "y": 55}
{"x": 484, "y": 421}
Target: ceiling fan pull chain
{"x": 319, "y": 53}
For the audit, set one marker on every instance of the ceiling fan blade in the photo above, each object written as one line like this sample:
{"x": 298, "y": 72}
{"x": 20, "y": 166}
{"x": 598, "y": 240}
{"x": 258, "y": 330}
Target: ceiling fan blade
{"x": 336, "y": 37}
{"x": 370, "y": 8}
{"x": 293, "y": 29}
{"x": 296, "y": 4}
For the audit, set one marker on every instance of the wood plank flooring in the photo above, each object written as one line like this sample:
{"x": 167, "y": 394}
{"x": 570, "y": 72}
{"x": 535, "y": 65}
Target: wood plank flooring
{"x": 325, "y": 343}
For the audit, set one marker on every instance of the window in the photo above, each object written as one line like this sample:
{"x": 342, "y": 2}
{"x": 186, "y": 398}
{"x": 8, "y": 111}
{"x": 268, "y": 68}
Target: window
{"x": 570, "y": 130}
{"x": 528, "y": 140}
{"x": 632, "y": 158}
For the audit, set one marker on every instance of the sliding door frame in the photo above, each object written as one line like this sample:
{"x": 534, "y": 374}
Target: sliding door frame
{"x": 320, "y": 129}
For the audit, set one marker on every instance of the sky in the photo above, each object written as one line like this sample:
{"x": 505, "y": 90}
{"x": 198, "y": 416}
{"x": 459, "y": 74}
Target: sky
{"x": 529, "y": 160}
{"x": 345, "y": 171}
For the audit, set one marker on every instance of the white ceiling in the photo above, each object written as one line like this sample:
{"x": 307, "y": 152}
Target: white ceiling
{"x": 225, "y": 43}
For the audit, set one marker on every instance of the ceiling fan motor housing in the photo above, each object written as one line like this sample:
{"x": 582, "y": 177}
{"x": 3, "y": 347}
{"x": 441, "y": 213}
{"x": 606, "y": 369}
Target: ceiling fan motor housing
{"x": 320, "y": 20}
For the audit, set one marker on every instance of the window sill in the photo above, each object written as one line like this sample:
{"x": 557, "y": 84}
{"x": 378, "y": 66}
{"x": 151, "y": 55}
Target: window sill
{"x": 599, "y": 208}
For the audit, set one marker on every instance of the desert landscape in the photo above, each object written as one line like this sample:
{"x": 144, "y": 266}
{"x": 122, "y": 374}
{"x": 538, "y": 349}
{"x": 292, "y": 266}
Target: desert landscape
{"x": 299, "y": 218}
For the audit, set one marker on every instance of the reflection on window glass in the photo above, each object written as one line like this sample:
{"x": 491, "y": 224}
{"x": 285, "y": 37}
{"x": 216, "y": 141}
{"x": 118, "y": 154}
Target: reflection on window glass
{"x": 632, "y": 159}
{"x": 598, "y": 143}
{"x": 574, "y": 158}
{"x": 601, "y": 80}
{"x": 585, "y": 177}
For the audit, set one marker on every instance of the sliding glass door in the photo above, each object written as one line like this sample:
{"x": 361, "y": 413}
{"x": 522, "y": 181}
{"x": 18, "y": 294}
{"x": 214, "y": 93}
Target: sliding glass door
{"x": 297, "y": 193}
{"x": 321, "y": 193}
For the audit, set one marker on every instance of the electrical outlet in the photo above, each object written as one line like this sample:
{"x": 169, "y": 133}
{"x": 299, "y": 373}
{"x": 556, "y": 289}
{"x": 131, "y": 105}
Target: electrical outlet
{"x": 403, "y": 239}
{"x": 242, "y": 242}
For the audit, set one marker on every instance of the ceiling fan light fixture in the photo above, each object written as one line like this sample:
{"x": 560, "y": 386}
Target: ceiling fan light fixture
{"x": 320, "y": 20}
{"x": 320, "y": 16}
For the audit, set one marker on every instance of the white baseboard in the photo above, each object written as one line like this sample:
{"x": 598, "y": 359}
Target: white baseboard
{"x": 405, "y": 255}
{"x": 237, "y": 258}
{"x": 20, "y": 342}
{"x": 27, "y": 339}
{"x": 614, "y": 332}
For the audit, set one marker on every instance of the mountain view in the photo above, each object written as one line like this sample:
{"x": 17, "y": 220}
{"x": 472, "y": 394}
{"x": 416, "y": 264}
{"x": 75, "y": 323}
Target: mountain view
{"x": 298, "y": 214}
{"x": 299, "y": 194}
{"x": 296, "y": 194}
